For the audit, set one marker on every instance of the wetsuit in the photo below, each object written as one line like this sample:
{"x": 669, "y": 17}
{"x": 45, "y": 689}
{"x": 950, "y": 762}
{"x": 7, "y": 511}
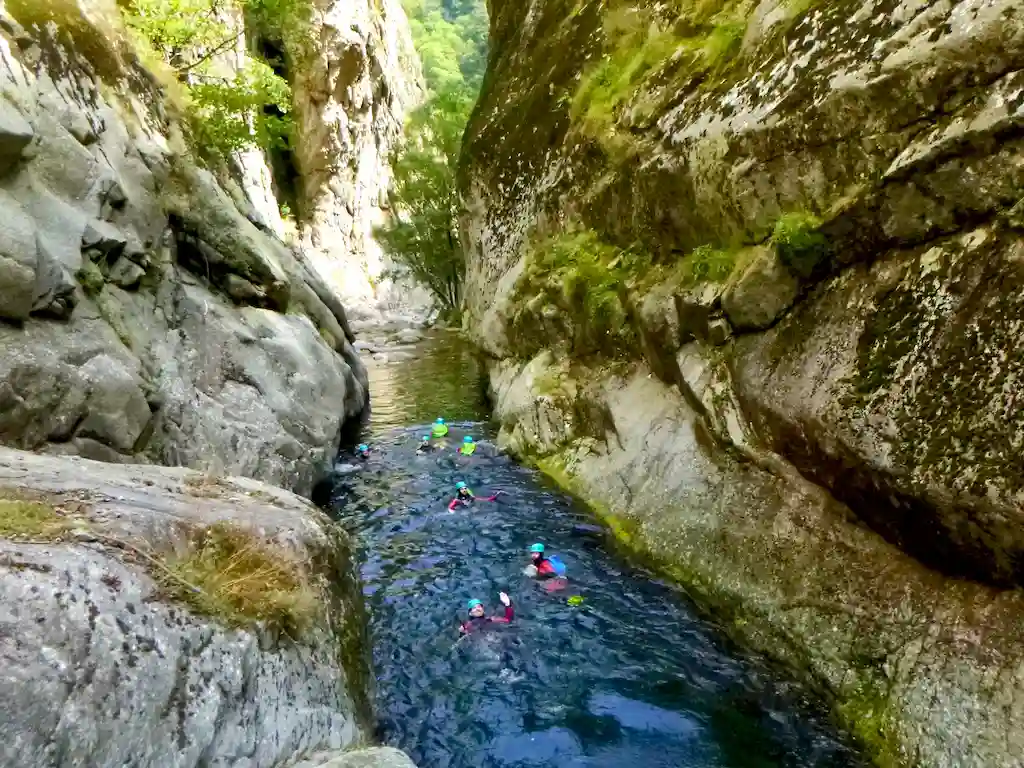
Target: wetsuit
{"x": 476, "y": 624}
{"x": 425, "y": 448}
{"x": 465, "y": 502}
{"x": 545, "y": 570}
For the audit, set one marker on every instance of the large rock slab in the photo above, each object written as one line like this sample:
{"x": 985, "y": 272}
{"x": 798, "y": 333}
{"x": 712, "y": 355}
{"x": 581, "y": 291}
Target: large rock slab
{"x": 100, "y": 670}
{"x": 15, "y": 135}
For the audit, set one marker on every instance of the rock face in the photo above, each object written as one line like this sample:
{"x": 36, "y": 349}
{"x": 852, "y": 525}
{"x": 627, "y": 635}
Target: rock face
{"x": 148, "y": 317}
{"x": 354, "y": 80}
{"x": 755, "y": 296}
{"x": 101, "y": 670}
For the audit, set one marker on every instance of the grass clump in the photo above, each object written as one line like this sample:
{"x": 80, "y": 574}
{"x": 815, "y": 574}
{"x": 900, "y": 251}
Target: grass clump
{"x": 22, "y": 518}
{"x": 799, "y": 243}
{"x": 707, "y": 264}
{"x": 229, "y": 575}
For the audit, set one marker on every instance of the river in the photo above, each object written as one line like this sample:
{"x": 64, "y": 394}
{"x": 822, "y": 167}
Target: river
{"x": 627, "y": 676}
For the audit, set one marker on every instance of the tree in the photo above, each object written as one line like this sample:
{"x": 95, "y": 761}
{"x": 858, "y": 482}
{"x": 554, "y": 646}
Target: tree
{"x": 423, "y": 239}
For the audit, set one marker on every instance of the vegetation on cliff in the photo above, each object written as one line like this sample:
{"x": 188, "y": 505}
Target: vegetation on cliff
{"x": 423, "y": 240}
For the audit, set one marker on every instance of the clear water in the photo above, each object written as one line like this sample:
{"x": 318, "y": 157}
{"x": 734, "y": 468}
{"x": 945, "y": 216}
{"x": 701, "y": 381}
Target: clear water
{"x": 629, "y": 677}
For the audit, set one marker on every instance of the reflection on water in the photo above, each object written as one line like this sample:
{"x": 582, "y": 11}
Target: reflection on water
{"x": 445, "y": 378}
{"x": 628, "y": 678}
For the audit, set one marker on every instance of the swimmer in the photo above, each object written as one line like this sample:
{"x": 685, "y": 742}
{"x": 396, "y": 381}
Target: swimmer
{"x": 468, "y": 446}
{"x": 440, "y": 429}
{"x": 550, "y": 570}
{"x": 363, "y": 451}
{"x": 479, "y": 620}
{"x": 425, "y": 446}
{"x": 464, "y": 497}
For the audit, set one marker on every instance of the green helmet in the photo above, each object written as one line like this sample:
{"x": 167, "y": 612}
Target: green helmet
{"x": 473, "y": 604}
{"x": 538, "y": 547}
{"x": 460, "y": 485}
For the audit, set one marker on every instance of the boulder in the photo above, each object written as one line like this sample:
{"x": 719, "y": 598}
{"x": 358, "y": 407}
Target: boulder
{"x": 19, "y": 257}
{"x": 759, "y": 292}
{"x": 104, "y": 238}
{"x": 15, "y": 135}
{"x": 408, "y": 336}
{"x": 372, "y": 757}
{"x": 126, "y": 273}
{"x": 117, "y": 407}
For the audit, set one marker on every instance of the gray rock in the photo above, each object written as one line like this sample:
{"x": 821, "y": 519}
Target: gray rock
{"x": 99, "y": 669}
{"x": 364, "y": 346}
{"x": 719, "y": 331}
{"x": 105, "y": 238}
{"x": 19, "y": 256}
{"x": 117, "y": 407}
{"x": 408, "y": 336}
{"x": 15, "y": 135}
{"x": 96, "y": 451}
{"x": 760, "y": 292}
{"x": 241, "y": 290}
{"x": 55, "y": 295}
{"x": 76, "y": 122}
{"x": 380, "y": 357}
{"x": 126, "y": 273}
{"x": 372, "y": 757}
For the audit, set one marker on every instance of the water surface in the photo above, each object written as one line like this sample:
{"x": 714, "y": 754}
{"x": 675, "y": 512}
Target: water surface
{"x": 630, "y": 677}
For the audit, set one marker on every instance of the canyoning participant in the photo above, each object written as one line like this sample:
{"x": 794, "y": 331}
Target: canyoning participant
{"x": 440, "y": 429}
{"x": 464, "y": 497}
{"x": 468, "y": 447}
{"x": 479, "y": 620}
{"x": 549, "y": 569}
{"x": 363, "y": 451}
{"x": 425, "y": 446}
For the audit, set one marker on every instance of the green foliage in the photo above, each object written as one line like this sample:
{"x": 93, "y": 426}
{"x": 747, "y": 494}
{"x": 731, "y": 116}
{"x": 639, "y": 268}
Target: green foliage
{"x": 91, "y": 278}
{"x": 800, "y": 245}
{"x": 451, "y": 40}
{"x": 423, "y": 239}
{"x": 586, "y": 278}
{"x": 228, "y": 110}
{"x": 708, "y": 264}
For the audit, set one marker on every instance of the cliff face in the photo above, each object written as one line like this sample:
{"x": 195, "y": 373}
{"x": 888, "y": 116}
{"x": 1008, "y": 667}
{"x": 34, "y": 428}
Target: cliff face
{"x": 353, "y": 83}
{"x": 750, "y": 278}
{"x": 150, "y": 314}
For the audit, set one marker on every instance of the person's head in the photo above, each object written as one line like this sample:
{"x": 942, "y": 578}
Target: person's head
{"x": 468, "y": 439}
{"x": 426, "y": 439}
{"x": 363, "y": 448}
{"x": 439, "y": 420}
{"x": 476, "y": 608}
{"x": 461, "y": 488}
{"x": 537, "y": 552}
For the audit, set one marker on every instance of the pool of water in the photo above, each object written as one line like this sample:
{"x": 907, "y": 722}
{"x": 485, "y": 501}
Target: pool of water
{"x": 629, "y": 676}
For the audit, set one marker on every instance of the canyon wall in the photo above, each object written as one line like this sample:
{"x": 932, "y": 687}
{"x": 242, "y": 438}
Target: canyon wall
{"x": 748, "y": 275}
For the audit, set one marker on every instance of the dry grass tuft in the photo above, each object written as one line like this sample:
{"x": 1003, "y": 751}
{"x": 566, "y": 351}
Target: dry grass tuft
{"x": 230, "y": 575}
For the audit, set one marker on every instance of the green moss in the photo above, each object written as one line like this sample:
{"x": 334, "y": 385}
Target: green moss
{"x": 22, "y": 517}
{"x": 866, "y": 712}
{"x": 800, "y": 244}
{"x": 229, "y": 575}
{"x": 90, "y": 277}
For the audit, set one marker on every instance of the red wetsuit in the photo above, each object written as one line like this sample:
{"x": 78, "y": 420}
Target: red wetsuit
{"x": 545, "y": 568}
{"x": 457, "y": 501}
{"x": 483, "y": 622}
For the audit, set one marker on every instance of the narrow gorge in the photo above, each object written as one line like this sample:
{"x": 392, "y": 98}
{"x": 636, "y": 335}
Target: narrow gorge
{"x": 748, "y": 277}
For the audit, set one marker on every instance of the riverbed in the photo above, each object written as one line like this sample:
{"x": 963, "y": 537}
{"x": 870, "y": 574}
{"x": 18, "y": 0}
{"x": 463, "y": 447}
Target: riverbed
{"x": 613, "y": 669}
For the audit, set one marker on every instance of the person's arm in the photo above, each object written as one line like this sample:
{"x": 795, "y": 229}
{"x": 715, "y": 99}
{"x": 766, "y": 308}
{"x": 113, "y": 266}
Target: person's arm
{"x": 509, "y": 613}
{"x": 453, "y": 504}
{"x": 496, "y": 495}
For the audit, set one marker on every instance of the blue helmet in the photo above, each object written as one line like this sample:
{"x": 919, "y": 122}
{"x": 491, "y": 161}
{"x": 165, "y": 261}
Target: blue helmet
{"x": 473, "y": 604}
{"x": 364, "y": 447}
{"x": 426, "y": 438}
{"x": 439, "y": 420}
{"x": 538, "y": 547}
{"x": 467, "y": 439}
{"x": 460, "y": 485}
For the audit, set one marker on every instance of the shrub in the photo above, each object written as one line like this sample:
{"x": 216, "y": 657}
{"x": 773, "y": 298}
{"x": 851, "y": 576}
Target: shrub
{"x": 800, "y": 245}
